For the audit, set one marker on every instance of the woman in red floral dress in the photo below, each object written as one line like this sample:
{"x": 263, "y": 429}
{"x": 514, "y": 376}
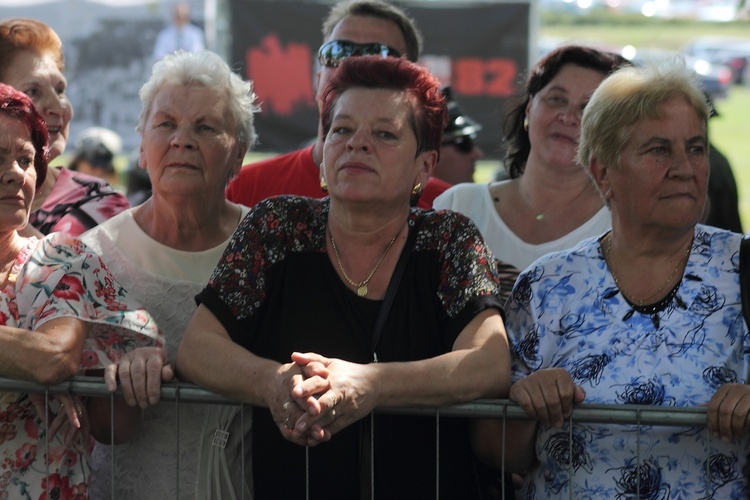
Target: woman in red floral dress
{"x": 61, "y": 312}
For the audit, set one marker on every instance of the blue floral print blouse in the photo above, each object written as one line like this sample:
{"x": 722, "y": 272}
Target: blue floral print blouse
{"x": 566, "y": 311}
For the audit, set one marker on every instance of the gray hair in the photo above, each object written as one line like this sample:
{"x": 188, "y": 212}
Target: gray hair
{"x": 629, "y": 95}
{"x": 203, "y": 69}
{"x": 381, "y": 10}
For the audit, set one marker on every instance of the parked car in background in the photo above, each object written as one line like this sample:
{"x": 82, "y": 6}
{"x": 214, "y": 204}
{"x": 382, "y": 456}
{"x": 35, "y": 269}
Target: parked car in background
{"x": 715, "y": 78}
{"x": 730, "y": 51}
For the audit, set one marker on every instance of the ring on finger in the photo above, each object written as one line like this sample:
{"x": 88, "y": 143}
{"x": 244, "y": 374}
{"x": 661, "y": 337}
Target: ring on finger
{"x": 288, "y": 424}
{"x": 286, "y": 406}
{"x": 333, "y": 412}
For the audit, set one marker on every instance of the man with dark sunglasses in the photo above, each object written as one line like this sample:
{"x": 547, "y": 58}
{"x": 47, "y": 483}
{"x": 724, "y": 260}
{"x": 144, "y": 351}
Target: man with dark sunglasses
{"x": 371, "y": 28}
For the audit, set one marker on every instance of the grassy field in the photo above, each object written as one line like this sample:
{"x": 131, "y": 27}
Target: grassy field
{"x": 730, "y": 132}
{"x": 638, "y": 31}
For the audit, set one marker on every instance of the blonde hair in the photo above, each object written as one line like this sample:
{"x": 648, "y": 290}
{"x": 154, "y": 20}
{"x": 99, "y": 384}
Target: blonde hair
{"x": 630, "y": 95}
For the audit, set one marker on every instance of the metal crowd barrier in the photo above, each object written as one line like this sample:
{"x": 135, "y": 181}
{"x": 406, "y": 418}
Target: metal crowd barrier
{"x": 484, "y": 408}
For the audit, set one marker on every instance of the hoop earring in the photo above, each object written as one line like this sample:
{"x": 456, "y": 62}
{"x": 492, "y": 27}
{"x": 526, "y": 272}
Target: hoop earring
{"x": 526, "y": 124}
{"x": 323, "y": 184}
{"x": 416, "y": 189}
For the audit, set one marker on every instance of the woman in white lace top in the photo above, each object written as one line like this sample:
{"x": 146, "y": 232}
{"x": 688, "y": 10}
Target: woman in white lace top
{"x": 196, "y": 125}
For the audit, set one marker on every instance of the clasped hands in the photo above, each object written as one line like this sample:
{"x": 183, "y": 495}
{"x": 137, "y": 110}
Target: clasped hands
{"x": 315, "y": 397}
{"x": 311, "y": 399}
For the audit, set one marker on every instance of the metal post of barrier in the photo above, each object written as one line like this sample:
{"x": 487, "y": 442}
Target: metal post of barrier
{"x": 503, "y": 475}
{"x": 708, "y": 462}
{"x": 638, "y": 457}
{"x": 570, "y": 456}
{"x": 112, "y": 445}
{"x": 177, "y": 440}
{"x": 242, "y": 449}
{"x": 307, "y": 473}
{"x": 45, "y": 419}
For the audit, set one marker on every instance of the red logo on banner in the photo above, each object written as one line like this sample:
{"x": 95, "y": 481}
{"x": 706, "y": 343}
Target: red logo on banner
{"x": 484, "y": 77}
{"x": 282, "y": 77}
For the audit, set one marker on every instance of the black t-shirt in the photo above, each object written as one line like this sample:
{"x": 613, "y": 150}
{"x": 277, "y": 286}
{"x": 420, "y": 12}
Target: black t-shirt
{"x": 276, "y": 292}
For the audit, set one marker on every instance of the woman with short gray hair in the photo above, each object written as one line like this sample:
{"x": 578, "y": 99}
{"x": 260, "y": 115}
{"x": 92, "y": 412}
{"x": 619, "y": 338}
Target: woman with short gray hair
{"x": 196, "y": 125}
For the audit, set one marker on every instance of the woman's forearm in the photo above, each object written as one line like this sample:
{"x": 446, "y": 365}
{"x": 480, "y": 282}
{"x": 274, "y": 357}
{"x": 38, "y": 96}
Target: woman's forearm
{"x": 208, "y": 357}
{"x": 479, "y": 366}
{"x": 48, "y": 355}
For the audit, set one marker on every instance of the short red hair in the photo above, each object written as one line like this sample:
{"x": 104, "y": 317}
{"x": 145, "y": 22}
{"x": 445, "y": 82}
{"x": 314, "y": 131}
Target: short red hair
{"x": 429, "y": 115}
{"x": 20, "y": 34}
{"x": 18, "y": 105}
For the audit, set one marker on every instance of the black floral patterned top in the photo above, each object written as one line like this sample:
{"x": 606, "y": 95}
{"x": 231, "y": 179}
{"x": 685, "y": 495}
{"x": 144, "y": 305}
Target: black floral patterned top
{"x": 276, "y": 291}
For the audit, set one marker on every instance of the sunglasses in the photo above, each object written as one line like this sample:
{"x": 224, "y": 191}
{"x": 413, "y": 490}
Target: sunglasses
{"x": 464, "y": 143}
{"x": 331, "y": 53}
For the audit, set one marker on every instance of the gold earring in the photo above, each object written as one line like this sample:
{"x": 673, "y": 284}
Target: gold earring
{"x": 416, "y": 189}
{"x": 526, "y": 123}
{"x": 323, "y": 184}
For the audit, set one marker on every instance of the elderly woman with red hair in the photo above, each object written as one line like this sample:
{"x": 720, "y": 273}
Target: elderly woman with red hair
{"x": 392, "y": 305}
{"x": 31, "y": 60}
{"x": 61, "y": 312}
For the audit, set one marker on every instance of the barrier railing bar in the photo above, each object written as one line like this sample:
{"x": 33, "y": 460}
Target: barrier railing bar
{"x": 481, "y": 408}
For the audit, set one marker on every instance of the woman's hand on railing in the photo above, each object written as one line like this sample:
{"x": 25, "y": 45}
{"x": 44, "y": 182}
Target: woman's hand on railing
{"x": 729, "y": 411}
{"x": 141, "y": 373}
{"x": 547, "y": 395}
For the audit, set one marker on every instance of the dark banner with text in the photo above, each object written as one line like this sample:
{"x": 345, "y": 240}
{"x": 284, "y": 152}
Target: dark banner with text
{"x": 480, "y": 49}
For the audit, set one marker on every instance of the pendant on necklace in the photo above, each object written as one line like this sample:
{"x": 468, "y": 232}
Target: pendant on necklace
{"x": 362, "y": 291}
{"x": 540, "y": 216}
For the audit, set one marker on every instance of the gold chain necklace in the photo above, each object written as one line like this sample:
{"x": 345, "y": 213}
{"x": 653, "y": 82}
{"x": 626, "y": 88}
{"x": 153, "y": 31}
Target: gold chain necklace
{"x": 362, "y": 285}
{"x": 663, "y": 285}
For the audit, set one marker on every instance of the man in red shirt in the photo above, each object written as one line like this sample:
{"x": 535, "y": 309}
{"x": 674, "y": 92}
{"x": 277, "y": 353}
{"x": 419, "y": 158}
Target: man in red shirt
{"x": 353, "y": 28}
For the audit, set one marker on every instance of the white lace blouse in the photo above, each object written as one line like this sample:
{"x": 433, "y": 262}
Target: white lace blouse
{"x": 165, "y": 281}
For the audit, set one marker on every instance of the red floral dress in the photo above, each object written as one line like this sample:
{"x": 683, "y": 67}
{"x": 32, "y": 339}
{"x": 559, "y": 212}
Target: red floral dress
{"x": 53, "y": 278}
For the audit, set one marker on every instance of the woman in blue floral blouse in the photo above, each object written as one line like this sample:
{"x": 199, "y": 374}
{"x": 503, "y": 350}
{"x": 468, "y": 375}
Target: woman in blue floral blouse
{"x": 305, "y": 275}
{"x": 648, "y": 313}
